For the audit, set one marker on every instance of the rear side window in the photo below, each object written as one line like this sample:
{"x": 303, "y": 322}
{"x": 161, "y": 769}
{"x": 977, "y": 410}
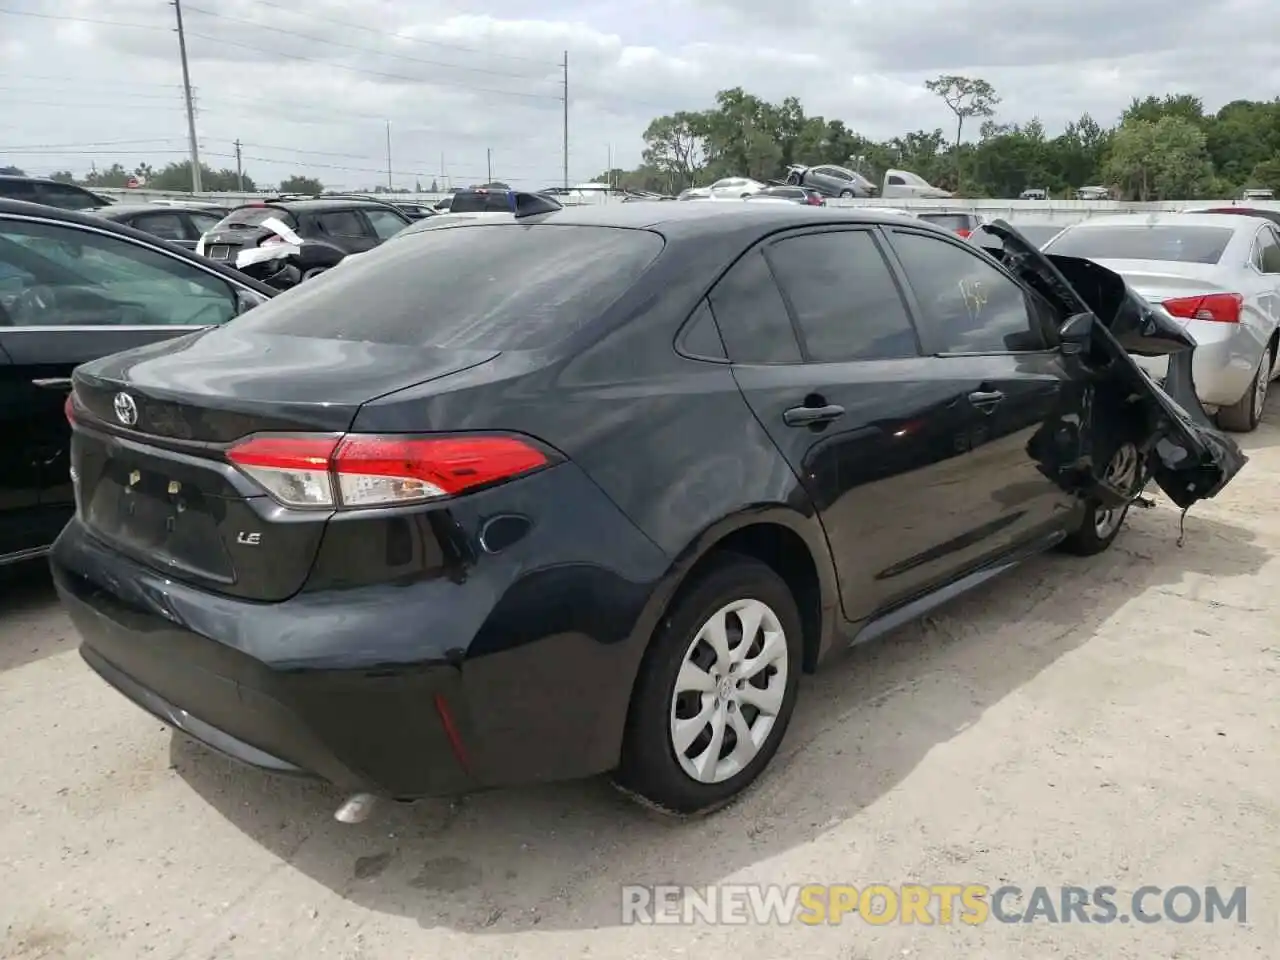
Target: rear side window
{"x": 66, "y": 197}
{"x": 343, "y": 223}
{"x": 752, "y": 315}
{"x": 18, "y": 190}
{"x": 490, "y": 287}
{"x": 254, "y": 217}
{"x": 166, "y": 225}
{"x": 843, "y": 296}
{"x": 1167, "y": 242}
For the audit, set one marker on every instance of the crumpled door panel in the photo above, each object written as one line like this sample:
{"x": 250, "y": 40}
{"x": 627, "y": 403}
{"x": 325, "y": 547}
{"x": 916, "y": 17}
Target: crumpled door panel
{"x": 1112, "y": 401}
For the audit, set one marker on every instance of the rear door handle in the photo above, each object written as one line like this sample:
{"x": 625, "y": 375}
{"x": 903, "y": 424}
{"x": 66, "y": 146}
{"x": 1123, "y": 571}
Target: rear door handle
{"x": 985, "y": 399}
{"x": 809, "y": 416}
{"x": 53, "y": 383}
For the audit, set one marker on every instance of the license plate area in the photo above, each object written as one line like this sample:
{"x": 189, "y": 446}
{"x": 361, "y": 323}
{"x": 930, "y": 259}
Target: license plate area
{"x": 219, "y": 251}
{"x": 153, "y": 515}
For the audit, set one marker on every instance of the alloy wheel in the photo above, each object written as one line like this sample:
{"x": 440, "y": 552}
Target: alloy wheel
{"x": 729, "y": 691}
{"x": 1261, "y": 384}
{"x": 1122, "y": 473}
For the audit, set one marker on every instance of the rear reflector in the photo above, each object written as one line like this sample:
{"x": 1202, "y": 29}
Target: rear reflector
{"x": 1220, "y": 307}
{"x": 359, "y": 470}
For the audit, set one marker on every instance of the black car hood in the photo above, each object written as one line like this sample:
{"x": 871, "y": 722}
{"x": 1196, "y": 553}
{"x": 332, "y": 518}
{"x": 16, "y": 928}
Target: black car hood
{"x": 1184, "y": 453}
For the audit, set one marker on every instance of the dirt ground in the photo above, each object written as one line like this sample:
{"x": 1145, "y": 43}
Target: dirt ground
{"x": 1112, "y": 721}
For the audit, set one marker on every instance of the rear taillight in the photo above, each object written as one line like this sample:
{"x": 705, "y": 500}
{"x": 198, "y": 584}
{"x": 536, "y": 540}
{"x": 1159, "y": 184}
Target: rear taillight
{"x": 359, "y": 470}
{"x": 1221, "y": 307}
{"x": 271, "y": 241}
{"x": 69, "y": 408}
{"x": 964, "y": 232}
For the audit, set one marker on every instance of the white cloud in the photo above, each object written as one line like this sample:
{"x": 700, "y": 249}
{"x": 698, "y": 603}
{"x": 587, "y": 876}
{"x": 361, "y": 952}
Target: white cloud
{"x": 459, "y": 79}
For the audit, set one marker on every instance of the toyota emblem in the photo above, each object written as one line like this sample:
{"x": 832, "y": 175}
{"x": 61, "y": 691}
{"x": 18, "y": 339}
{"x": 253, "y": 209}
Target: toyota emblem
{"x": 126, "y": 409}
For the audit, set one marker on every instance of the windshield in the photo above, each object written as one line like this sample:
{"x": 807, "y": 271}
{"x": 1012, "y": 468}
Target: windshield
{"x": 1170, "y": 243}
{"x": 254, "y": 216}
{"x": 493, "y": 286}
{"x": 948, "y": 221}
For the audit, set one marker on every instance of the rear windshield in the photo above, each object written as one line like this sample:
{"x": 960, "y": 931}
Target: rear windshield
{"x": 948, "y": 221}
{"x": 492, "y": 286}
{"x": 1170, "y": 243}
{"x": 253, "y": 217}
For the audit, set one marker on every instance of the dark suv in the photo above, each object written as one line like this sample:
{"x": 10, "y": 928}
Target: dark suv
{"x": 331, "y": 228}
{"x": 66, "y": 196}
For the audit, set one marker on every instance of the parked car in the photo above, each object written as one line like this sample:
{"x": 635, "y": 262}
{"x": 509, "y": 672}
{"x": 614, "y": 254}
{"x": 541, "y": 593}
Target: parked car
{"x": 1218, "y": 276}
{"x": 485, "y": 200}
{"x": 694, "y": 193}
{"x": 1034, "y": 194}
{"x": 413, "y": 209}
{"x": 832, "y": 181}
{"x": 285, "y": 241}
{"x": 1257, "y": 193}
{"x": 1093, "y": 193}
{"x": 960, "y": 222}
{"x": 735, "y": 187}
{"x": 75, "y": 287}
{"x": 1272, "y": 215}
{"x": 52, "y": 193}
{"x": 423, "y": 528}
{"x": 901, "y": 184}
{"x": 177, "y": 224}
{"x": 805, "y": 196}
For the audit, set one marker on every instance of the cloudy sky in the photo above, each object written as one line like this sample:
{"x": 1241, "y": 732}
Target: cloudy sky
{"x": 309, "y": 87}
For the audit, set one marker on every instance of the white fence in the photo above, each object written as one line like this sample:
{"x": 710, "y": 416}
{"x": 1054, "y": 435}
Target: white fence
{"x": 1026, "y": 211}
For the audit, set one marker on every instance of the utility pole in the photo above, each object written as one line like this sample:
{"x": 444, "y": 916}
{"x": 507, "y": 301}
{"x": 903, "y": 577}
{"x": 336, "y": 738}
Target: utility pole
{"x": 388, "y": 156}
{"x": 186, "y": 91}
{"x": 566, "y": 119}
{"x": 489, "y": 155}
{"x": 239, "y": 169}
{"x": 609, "y": 175}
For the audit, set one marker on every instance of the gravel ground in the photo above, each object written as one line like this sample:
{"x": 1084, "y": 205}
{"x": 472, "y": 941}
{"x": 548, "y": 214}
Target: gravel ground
{"x": 1111, "y": 721}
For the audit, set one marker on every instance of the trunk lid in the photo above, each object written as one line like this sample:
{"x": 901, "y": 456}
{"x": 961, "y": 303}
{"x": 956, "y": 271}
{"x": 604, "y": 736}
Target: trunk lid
{"x": 1188, "y": 457}
{"x": 153, "y": 426}
{"x": 1157, "y": 281}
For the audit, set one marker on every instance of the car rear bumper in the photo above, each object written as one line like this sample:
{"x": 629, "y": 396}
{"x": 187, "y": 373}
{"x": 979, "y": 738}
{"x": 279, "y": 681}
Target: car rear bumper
{"x": 1225, "y": 358}
{"x": 518, "y": 671}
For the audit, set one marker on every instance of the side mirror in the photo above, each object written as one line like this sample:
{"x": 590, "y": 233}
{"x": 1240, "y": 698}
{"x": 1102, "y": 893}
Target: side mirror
{"x": 246, "y": 300}
{"x": 1077, "y": 333}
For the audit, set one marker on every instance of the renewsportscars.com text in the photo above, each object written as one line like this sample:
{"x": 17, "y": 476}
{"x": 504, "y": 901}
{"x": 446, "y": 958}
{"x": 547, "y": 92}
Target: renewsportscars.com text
{"x": 930, "y": 904}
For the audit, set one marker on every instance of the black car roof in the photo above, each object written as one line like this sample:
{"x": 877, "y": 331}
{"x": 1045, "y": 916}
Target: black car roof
{"x": 313, "y": 204}
{"x": 125, "y": 209}
{"x": 98, "y": 222}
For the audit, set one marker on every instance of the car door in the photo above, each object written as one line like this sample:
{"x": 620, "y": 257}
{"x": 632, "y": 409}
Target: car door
{"x": 822, "y": 179}
{"x": 995, "y": 344}
{"x": 68, "y": 294}
{"x": 348, "y": 230}
{"x": 19, "y": 473}
{"x": 825, "y": 353}
{"x": 1265, "y": 263}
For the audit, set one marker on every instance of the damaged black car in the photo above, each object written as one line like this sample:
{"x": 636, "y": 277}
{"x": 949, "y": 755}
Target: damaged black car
{"x": 586, "y": 491}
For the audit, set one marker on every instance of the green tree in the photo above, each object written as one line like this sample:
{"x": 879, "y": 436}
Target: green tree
{"x": 63, "y": 176}
{"x": 12, "y": 172}
{"x": 965, "y": 97}
{"x": 114, "y": 176}
{"x": 1164, "y": 160}
{"x": 301, "y": 184}
{"x": 675, "y": 145}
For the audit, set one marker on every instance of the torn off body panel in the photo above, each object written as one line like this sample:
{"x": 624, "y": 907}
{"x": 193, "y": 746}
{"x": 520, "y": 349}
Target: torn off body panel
{"x": 1114, "y": 401}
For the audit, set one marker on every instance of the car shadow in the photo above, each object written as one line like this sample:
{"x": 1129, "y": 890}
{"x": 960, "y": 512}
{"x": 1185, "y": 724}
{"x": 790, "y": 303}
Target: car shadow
{"x": 31, "y": 625}
{"x": 556, "y": 856}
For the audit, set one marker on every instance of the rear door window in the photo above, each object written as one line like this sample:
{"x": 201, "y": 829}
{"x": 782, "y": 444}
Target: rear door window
{"x": 843, "y": 297}
{"x": 489, "y": 286}
{"x": 1170, "y": 243}
{"x": 385, "y": 223}
{"x": 18, "y": 190}
{"x": 66, "y": 197}
{"x": 343, "y": 223}
{"x": 166, "y": 225}
{"x": 751, "y": 314}
{"x": 474, "y": 202}
{"x": 254, "y": 216}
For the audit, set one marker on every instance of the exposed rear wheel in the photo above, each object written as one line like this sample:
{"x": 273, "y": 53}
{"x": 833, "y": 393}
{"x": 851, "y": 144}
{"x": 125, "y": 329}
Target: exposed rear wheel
{"x": 716, "y": 689}
{"x": 1101, "y": 524}
{"x": 1245, "y": 414}
{"x": 847, "y": 194}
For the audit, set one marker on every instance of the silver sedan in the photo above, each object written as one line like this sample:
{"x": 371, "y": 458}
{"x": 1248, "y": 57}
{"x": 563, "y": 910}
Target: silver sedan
{"x": 1218, "y": 276}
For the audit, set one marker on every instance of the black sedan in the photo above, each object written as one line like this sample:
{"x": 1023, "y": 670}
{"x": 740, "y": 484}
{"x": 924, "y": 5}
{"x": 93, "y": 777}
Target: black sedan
{"x": 74, "y": 287}
{"x": 588, "y": 490}
{"x": 181, "y": 225}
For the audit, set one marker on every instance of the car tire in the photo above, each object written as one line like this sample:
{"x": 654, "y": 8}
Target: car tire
{"x": 1100, "y": 525}
{"x": 313, "y": 273}
{"x": 1245, "y": 414}
{"x": 734, "y": 590}
{"x": 846, "y": 194}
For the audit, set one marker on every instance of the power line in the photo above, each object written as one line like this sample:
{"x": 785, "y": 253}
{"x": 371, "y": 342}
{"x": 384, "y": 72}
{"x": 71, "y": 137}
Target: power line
{"x": 347, "y": 24}
{"x": 349, "y": 46}
{"x": 67, "y": 19}
{"x": 374, "y": 73}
